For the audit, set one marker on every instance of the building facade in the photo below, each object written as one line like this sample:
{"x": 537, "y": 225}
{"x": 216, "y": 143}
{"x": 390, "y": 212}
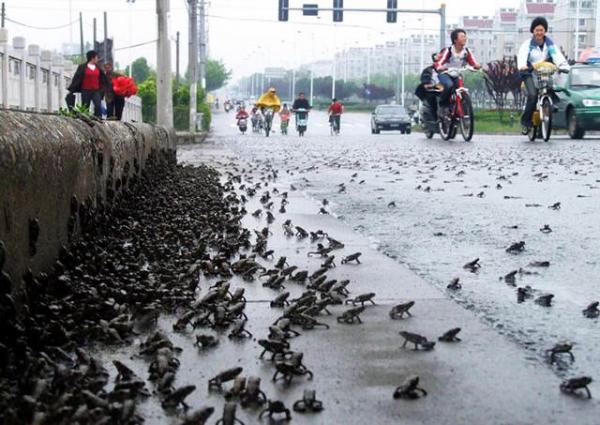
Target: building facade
{"x": 570, "y": 23}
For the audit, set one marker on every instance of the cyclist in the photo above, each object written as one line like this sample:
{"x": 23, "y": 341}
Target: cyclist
{"x": 538, "y": 48}
{"x": 335, "y": 110}
{"x": 269, "y": 100}
{"x": 455, "y": 56}
{"x": 284, "y": 116}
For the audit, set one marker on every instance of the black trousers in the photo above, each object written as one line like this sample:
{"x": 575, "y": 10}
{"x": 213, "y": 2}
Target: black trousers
{"x": 531, "y": 100}
{"x": 119, "y": 105}
{"x": 92, "y": 96}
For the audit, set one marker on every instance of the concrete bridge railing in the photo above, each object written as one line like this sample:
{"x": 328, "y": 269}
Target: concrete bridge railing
{"x": 36, "y": 80}
{"x": 51, "y": 164}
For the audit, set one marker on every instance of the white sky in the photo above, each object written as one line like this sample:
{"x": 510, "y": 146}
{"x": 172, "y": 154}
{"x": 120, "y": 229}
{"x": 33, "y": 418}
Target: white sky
{"x": 245, "y": 34}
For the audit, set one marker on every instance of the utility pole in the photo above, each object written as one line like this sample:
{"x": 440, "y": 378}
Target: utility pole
{"x": 202, "y": 34}
{"x": 164, "y": 98}
{"x": 105, "y": 52}
{"x": 177, "y": 58}
{"x": 3, "y": 15}
{"x": 403, "y": 69}
{"x": 193, "y": 61}
{"x": 442, "y": 25}
{"x": 576, "y": 53}
{"x": 81, "y": 33}
{"x": 94, "y": 30}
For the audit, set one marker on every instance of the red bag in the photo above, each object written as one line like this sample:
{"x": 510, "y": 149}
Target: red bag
{"x": 124, "y": 86}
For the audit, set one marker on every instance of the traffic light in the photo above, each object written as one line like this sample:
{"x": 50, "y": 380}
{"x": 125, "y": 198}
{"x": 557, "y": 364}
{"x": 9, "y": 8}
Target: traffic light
{"x": 392, "y": 16}
{"x": 283, "y": 10}
{"x": 338, "y": 15}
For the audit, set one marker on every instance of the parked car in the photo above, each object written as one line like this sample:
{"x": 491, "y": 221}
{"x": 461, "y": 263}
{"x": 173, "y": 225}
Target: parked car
{"x": 579, "y": 108}
{"x": 390, "y": 117}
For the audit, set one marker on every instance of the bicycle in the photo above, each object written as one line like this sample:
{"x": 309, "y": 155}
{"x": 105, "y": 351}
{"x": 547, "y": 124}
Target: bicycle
{"x": 334, "y": 124}
{"x": 268, "y": 121}
{"x": 542, "y": 116}
{"x": 461, "y": 109}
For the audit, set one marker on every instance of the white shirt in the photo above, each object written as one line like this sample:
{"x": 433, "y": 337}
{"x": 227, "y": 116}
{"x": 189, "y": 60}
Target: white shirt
{"x": 530, "y": 52}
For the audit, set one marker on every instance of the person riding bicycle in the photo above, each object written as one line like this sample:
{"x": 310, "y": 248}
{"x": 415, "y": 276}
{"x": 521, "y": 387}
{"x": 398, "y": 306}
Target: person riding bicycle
{"x": 428, "y": 89}
{"x": 539, "y": 48}
{"x": 269, "y": 100}
{"x": 284, "y": 117}
{"x": 301, "y": 102}
{"x": 335, "y": 110}
{"x": 455, "y": 56}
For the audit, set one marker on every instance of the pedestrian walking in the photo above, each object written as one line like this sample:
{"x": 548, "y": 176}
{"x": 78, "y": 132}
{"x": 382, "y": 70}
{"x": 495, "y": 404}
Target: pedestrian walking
{"x": 89, "y": 80}
{"x": 122, "y": 88}
{"x": 109, "y": 93}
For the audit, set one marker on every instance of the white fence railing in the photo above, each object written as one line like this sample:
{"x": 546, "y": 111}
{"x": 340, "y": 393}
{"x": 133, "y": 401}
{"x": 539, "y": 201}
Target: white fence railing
{"x": 36, "y": 80}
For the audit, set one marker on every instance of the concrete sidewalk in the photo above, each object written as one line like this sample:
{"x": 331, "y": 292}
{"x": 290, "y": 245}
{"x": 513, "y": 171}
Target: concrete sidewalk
{"x": 485, "y": 379}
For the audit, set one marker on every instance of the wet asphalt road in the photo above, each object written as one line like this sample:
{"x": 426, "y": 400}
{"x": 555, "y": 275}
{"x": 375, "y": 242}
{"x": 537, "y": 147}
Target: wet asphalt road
{"x": 432, "y": 230}
{"x": 456, "y": 201}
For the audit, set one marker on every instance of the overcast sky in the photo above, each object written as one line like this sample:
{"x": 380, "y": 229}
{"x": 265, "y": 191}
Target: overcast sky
{"x": 244, "y": 34}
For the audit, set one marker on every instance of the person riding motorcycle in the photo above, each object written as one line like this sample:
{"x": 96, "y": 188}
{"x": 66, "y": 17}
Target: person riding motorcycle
{"x": 455, "y": 56}
{"x": 428, "y": 89}
{"x": 256, "y": 118}
{"x": 301, "y": 102}
{"x": 241, "y": 114}
{"x": 335, "y": 111}
{"x": 539, "y": 48}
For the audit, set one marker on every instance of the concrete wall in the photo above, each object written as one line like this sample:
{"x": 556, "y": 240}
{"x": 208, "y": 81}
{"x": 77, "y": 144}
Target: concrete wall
{"x": 46, "y": 161}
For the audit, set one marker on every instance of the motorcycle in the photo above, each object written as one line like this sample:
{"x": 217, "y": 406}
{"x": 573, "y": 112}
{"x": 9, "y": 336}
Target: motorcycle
{"x": 301, "y": 115}
{"x": 242, "y": 125}
{"x": 227, "y": 106}
{"x": 429, "y": 121}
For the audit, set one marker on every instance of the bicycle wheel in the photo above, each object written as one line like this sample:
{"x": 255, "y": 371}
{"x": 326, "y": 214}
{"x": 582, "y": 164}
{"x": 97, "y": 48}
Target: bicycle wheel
{"x": 467, "y": 121}
{"x": 546, "y": 118}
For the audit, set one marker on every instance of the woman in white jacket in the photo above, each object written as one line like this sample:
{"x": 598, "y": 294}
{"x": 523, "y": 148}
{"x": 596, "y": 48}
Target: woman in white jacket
{"x": 538, "y": 48}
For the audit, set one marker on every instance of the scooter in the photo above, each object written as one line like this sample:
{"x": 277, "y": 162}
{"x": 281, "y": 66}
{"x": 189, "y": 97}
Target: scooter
{"x": 243, "y": 125}
{"x": 429, "y": 120}
{"x": 301, "y": 115}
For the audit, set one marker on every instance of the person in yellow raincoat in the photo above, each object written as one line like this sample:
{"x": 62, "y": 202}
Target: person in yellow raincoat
{"x": 269, "y": 100}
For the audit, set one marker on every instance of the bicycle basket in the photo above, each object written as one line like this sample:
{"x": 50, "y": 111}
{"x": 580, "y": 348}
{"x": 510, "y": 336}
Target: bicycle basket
{"x": 543, "y": 74}
{"x": 543, "y": 79}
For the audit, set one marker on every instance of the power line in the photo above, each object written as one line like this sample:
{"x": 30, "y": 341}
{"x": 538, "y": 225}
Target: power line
{"x": 42, "y": 28}
{"x": 136, "y": 45}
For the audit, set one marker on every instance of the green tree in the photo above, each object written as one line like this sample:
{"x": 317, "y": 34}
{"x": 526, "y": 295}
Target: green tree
{"x": 141, "y": 71}
{"x": 216, "y": 75}
{"x": 147, "y": 91}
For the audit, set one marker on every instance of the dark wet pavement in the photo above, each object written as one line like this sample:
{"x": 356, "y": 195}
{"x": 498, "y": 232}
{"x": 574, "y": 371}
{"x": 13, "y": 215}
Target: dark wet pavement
{"x": 486, "y": 378}
{"x": 457, "y": 201}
